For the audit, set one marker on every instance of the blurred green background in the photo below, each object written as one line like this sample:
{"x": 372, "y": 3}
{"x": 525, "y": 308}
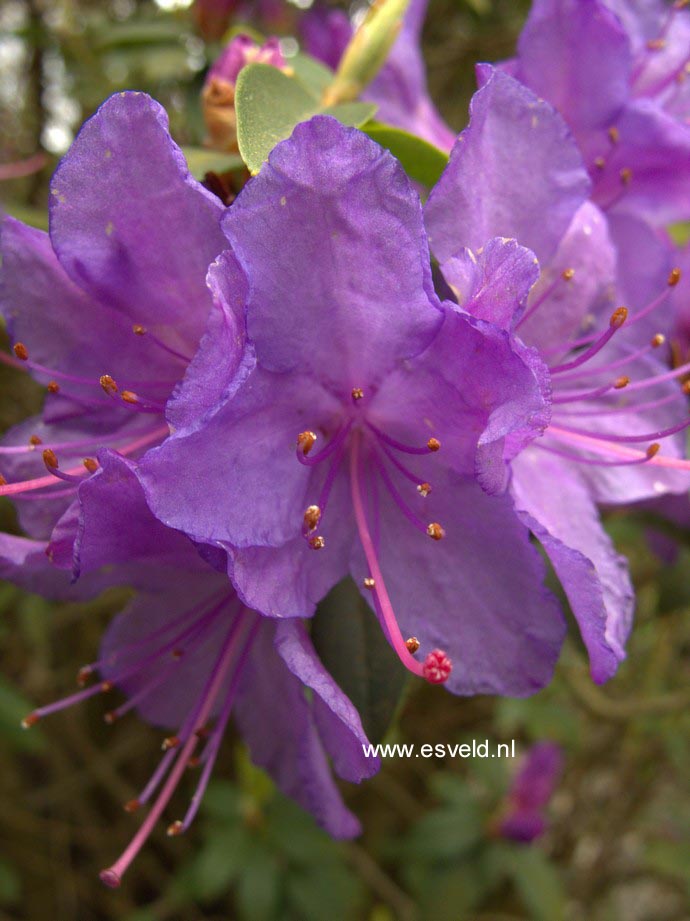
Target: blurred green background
{"x": 618, "y": 844}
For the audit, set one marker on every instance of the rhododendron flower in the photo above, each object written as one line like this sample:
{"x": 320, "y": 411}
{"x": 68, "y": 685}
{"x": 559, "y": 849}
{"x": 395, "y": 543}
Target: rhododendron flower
{"x": 350, "y": 439}
{"x": 106, "y": 310}
{"x": 619, "y": 73}
{"x": 187, "y": 653}
{"x": 532, "y": 787}
{"x": 615, "y": 435}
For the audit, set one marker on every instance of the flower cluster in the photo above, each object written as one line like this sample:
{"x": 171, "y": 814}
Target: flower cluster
{"x": 247, "y": 404}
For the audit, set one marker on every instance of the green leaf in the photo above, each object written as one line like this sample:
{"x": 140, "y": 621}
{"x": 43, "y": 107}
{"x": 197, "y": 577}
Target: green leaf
{"x": 34, "y": 217}
{"x": 347, "y": 636}
{"x": 269, "y": 104}
{"x": 538, "y": 882}
{"x": 13, "y": 709}
{"x": 420, "y": 159}
{"x": 315, "y": 76}
{"x": 202, "y": 161}
{"x": 10, "y": 886}
{"x": 258, "y": 886}
{"x": 680, "y": 233}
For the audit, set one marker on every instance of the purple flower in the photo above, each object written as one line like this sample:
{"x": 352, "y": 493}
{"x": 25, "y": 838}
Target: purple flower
{"x": 400, "y": 89}
{"x": 187, "y": 653}
{"x": 533, "y": 785}
{"x": 618, "y": 71}
{"x": 106, "y": 310}
{"x": 351, "y": 438}
{"x": 516, "y": 172}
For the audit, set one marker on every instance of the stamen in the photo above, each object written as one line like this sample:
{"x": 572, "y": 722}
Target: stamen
{"x": 108, "y": 383}
{"x": 625, "y": 175}
{"x": 577, "y": 396}
{"x": 618, "y": 318}
{"x": 357, "y": 394}
{"x": 53, "y": 387}
{"x": 50, "y": 459}
{"x": 674, "y": 277}
{"x": 629, "y": 439}
{"x": 317, "y": 543}
{"x": 614, "y": 134}
{"x": 34, "y": 441}
{"x": 91, "y": 464}
{"x": 651, "y": 452}
{"x": 312, "y": 517}
{"x": 139, "y": 330}
{"x": 607, "y": 448}
{"x": 369, "y": 583}
{"x": 21, "y": 351}
{"x": 424, "y": 489}
{"x": 305, "y": 442}
{"x": 433, "y": 444}
{"x": 435, "y": 531}
{"x": 412, "y": 644}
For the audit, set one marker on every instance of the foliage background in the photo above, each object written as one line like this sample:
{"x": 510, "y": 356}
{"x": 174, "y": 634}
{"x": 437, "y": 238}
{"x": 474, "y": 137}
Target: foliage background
{"x": 619, "y": 840}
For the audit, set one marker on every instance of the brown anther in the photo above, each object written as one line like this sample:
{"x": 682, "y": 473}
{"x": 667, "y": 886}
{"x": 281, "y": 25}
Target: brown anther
{"x": 686, "y": 388}
{"x": 433, "y": 444}
{"x": 681, "y": 4}
{"x": 424, "y": 489}
{"x": 50, "y": 459}
{"x": 139, "y": 330}
{"x": 357, "y": 393}
{"x": 317, "y": 543}
{"x": 657, "y": 340}
{"x": 30, "y": 720}
{"x": 106, "y": 686}
{"x": 108, "y": 383}
{"x": 312, "y": 516}
{"x": 91, "y": 464}
{"x": 600, "y": 163}
{"x": 435, "y": 531}
{"x": 306, "y": 441}
{"x": 132, "y": 805}
{"x": 614, "y": 134}
{"x": 369, "y": 583}
{"x": 568, "y": 274}
{"x": 193, "y": 762}
{"x": 621, "y": 382}
{"x": 625, "y": 175}
{"x": 83, "y": 675}
{"x": 656, "y": 44}
{"x": 618, "y": 317}
{"x": 177, "y": 654}
{"x": 674, "y": 278}
{"x": 35, "y": 440}
{"x": 653, "y": 449}
{"x": 110, "y": 717}
{"x": 203, "y": 732}
{"x": 3, "y": 481}
{"x": 129, "y": 396}
{"x": 412, "y": 644}
{"x": 174, "y": 829}
{"x": 21, "y": 351}
{"x": 53, "y": 387}
{"x": 170, "y": 742}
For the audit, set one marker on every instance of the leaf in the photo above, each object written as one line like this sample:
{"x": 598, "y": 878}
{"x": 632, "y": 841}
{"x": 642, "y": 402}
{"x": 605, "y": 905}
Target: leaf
{"x": 420, "y": 159}
{"x": 269, "y": 104}
{"x": 202, "y": 161}
{"x": 348, "y": 638}
{"x": 538, "y": 882}
{"x": 259, "y": 884}
{"x": 13, "y": 708}
{"x": 314, "y": 75}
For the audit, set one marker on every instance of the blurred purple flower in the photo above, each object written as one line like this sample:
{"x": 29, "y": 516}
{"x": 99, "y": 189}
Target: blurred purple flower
{"x": 187, "y": 653}
{"x": 533, "y": 785}
{"x": 619, "y": 73}
{"x": 106, "y": 311}
{"x": 515, "y": 172}
{"x": 350, "y": 345}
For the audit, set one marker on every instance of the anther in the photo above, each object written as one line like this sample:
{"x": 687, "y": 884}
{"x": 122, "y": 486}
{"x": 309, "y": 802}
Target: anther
{"x": 614, "y": 134}
{"x": 91, "y": 464}
{"x": 177, "y": 654}
{"x": 686, "y": 387}
{"x": 370, "y": 583}
{"x": 132, "y": 805}
{"x": 412, "y": 644}
{"x": 312, "y": 516}
{"x": 175, "y": 828}
{"x": 138, "y": 330}
{"x": 424, "y": 489}
{"x": 437, "y": 667}
{"x": 306, "y": 441}
{"x": 625, "y": 175}
{"x": 433, "y": 444}
{"x": 674, "y": 278}
{"x": 568, "y": 274}
{"x": 50, "y": 459}
{"x": 317, "y": 543}
{"x": 357, "y": 393}
{"x": 170, "y": 742}
{"x": 618, "y": 317}
{"x": 53, "y": 387}
{"x": 680, "y": 4}
{"x": 621, "y": 382}
{"x": 658, "y": 340}
{"x": 653, "y": 449}
{"x": 35, "y": 440}
{"x": 600, "y": 163}
{"x": 106, "y": 686}
{"x": 656, "y": 44}
{"x": 30, "y": 720}
{"x": 108, "y": 383}
{"x": 83, "y": 675}
{"x": 203, "y": 732}
{"x": 110, "y": 717}
{"x": 129, "y": 396}
{"x": 435, "y": 531}
{"x": 21, "y": 351}
{"x": 3, "y": 481}
{"x": 193, "y": 763}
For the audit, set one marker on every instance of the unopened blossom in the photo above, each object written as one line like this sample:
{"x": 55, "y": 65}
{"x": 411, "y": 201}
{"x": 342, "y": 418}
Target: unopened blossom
{"x": 524, "y": 817}
{"x": 105, "y": 311}
{"x": 352, "y": 437}
{"x": 619, "y": 73}
{"x": 218, "y": 95}
{"x": 616, "y": 433}
{"x": 187, "y": 654}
